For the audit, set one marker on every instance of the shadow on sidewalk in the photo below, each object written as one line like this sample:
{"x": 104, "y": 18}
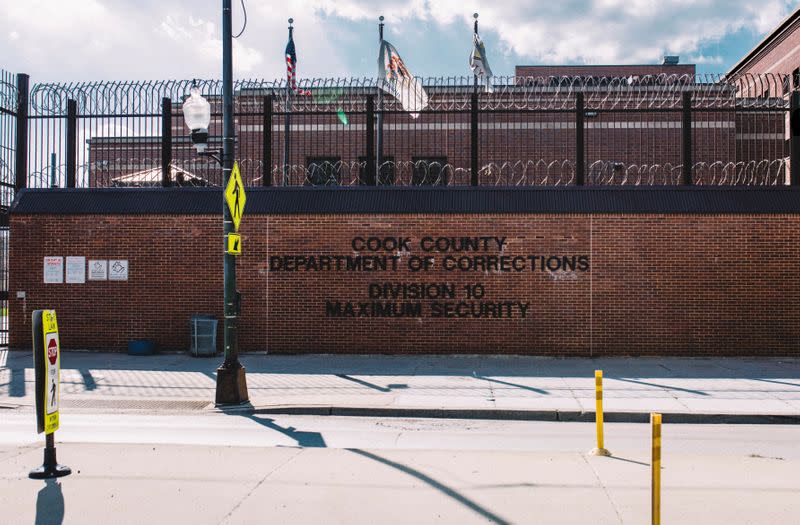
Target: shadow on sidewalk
{"x": 373, "y": 386}
{"x": 303, "y": 438}
{"x": 444, "y": 489}
{"x": 665, "y": 387}
{"x": 16, "y": 387}
{"x": 515, "y": 385}
{"x": 50, "y": 504}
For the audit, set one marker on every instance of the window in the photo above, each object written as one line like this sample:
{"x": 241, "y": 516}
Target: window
{"x": 386, "y": 175}
{"x": 429, "y": 171}
{"x": 323, "y": 171}
{"x": 796, "y": 78}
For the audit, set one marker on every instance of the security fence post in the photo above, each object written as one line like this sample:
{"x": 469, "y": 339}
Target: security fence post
{"x": 474, "y": 139}
{"x": 72, "y": 142}
{"x": 21, "y": 142}
{"x": 266, "y": 144}
{"x": 371, "y": 170}
{"x": 166, "y": 141}
{"x": 579, "y": 140}
{"x": 794, "y": 146}
{"x": 686, "y": 131}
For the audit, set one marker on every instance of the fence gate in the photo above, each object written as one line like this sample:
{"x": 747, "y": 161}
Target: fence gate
{"x": 9, "y": 132}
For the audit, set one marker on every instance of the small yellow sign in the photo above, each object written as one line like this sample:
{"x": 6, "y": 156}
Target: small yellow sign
{"x": 234, "y": 244}
{"x": 235, "y": 196}
{"x": 52, "y": 371}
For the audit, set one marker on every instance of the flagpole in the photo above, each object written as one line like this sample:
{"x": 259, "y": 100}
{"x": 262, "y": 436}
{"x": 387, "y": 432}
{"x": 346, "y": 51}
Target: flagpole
{"x": 475, "y": 75}
{"x": 379, "y": 141}
{"x": 286, "y": 118}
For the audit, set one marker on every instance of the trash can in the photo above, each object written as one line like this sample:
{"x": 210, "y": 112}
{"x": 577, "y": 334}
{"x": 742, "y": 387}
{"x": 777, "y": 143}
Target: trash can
{"x": 204, "y": 335}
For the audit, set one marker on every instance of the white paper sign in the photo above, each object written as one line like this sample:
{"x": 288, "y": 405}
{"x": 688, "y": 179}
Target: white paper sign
{"x": 98, "y": 270}
{"x": 53, "y": 270}
{"x": 76, "y": 270}
{"x": 117, "y": 270}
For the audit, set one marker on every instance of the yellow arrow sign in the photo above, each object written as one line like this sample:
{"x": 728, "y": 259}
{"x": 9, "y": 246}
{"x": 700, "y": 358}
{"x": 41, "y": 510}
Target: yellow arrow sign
{"x": 234, "y": 244}
{"x": 235, "y": 197}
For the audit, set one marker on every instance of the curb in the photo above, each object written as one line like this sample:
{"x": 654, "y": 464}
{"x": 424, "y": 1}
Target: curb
{"x": 695, "y": 418}
{"x": 575, "y": 416}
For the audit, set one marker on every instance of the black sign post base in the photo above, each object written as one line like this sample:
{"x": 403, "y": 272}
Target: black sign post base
{"x": 231, "y": 384}
{"x": 50, "y": 468}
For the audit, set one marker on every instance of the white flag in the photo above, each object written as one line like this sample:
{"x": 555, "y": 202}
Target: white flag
{"x": 399, "y": 82}
{"x": 479, "y": 63}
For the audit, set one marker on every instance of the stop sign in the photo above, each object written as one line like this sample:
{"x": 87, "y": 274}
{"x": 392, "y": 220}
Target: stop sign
{"x": 52, "y": 350}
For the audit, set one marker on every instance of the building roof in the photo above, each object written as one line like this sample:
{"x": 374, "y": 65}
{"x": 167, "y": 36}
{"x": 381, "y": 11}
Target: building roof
{"x": 771, "y": 37}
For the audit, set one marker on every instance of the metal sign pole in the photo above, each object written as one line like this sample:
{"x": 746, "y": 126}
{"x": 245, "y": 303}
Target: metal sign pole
{"x": 47, "y": 367}
{"x": 231, "y": 382}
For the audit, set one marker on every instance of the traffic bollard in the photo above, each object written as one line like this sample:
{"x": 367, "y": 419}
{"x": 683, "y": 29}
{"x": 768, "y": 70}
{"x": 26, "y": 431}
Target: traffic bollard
{"x": 600, "y": 449}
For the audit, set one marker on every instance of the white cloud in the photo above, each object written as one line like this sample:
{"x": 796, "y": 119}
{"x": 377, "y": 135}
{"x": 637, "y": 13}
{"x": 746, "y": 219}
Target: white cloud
{"x": 589, "y": 31}
{"x": 703, "y": 59}
{"x": 62, "y": 40}
{"x": 136, "y": 39}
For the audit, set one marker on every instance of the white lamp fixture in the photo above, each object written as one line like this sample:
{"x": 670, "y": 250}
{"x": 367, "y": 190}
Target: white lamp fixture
{"x": 197, "y": 114}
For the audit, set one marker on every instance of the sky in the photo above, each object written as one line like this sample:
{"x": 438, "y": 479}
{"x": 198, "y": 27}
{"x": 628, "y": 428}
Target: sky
{"x": 90, "y": 40}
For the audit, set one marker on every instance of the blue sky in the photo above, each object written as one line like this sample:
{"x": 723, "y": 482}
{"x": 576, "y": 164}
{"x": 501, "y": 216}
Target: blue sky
{"x": 73, "y": 40}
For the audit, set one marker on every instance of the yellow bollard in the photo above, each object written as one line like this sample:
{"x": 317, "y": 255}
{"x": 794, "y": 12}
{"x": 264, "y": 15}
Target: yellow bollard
{"x": 655, "y": 494}
{"x": 599, "y": 450}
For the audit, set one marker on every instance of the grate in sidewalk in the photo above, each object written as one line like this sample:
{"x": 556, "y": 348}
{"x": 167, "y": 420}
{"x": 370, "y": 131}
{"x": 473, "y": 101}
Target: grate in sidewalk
{"x": 136, "y": 404}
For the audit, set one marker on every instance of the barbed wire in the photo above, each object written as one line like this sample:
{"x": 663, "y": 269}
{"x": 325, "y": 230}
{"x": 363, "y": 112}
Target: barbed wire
{"x": 9, "y": 95}
{"x": 522, "y": 173}
{"x": 445, "y": 93}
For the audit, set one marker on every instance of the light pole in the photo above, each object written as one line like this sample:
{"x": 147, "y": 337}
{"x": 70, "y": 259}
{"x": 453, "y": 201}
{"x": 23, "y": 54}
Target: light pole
{"x": 231, "y": 381}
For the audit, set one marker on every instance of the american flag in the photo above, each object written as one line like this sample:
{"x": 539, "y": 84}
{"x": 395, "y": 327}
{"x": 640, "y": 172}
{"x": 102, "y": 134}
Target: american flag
{"x": 291, "y": 68}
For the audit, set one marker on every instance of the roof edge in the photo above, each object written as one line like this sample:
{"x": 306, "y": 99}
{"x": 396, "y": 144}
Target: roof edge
{"x": 635, "y": 200}
{"x": 788, "y": 21}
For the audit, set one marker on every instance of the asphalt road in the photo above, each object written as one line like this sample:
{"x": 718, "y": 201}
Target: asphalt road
{"x": 216, "y": 468}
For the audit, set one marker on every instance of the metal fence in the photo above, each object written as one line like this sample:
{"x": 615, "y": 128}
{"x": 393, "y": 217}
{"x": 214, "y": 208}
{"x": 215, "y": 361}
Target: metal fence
{"x": 647, "y": 130}
{"x": 9, "y": 103}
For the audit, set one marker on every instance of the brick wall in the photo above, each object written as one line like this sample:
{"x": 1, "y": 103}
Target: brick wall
{"x": 655, "y": 284}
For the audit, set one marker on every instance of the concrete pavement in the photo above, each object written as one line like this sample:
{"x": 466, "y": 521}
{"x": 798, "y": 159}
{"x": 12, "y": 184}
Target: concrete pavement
{"x": 211, "y": 468}
{"x": 500, "y": 387}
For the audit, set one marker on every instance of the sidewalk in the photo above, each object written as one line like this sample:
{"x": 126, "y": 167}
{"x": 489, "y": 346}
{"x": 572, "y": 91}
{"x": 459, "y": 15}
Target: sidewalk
{"x": 494, "y": 387}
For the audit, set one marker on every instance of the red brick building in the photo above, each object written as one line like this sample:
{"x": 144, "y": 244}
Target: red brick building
{"x": 777, "y": 54}
{"x": 526, "y": 267}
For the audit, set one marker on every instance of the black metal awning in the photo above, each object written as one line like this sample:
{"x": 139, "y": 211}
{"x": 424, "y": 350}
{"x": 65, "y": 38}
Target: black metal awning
{"x": 400, "y": 200}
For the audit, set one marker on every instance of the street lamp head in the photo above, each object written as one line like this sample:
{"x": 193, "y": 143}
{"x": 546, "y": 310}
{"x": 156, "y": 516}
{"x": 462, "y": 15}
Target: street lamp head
{"x": 197, "y": 114}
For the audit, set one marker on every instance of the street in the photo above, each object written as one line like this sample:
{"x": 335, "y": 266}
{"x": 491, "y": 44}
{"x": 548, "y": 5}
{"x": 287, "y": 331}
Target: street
{"x": 243, "y": 468}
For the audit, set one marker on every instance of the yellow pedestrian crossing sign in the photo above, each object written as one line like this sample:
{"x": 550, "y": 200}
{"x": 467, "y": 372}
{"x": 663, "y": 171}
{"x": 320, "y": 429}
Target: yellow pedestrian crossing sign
{"x": 234, "y": 244}
{"x": 234, "y": 195}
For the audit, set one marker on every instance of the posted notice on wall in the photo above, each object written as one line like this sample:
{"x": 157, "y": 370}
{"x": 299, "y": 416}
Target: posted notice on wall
{"x": 117, "y": 270}
{"x": 76, "y": 270}
{"x": 98, "y": 270}
{"x": 53, "y": 270}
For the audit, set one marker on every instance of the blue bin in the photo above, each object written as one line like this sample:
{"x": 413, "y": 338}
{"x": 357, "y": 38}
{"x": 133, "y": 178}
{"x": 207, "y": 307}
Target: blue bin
{"x": 141, "y": 347}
